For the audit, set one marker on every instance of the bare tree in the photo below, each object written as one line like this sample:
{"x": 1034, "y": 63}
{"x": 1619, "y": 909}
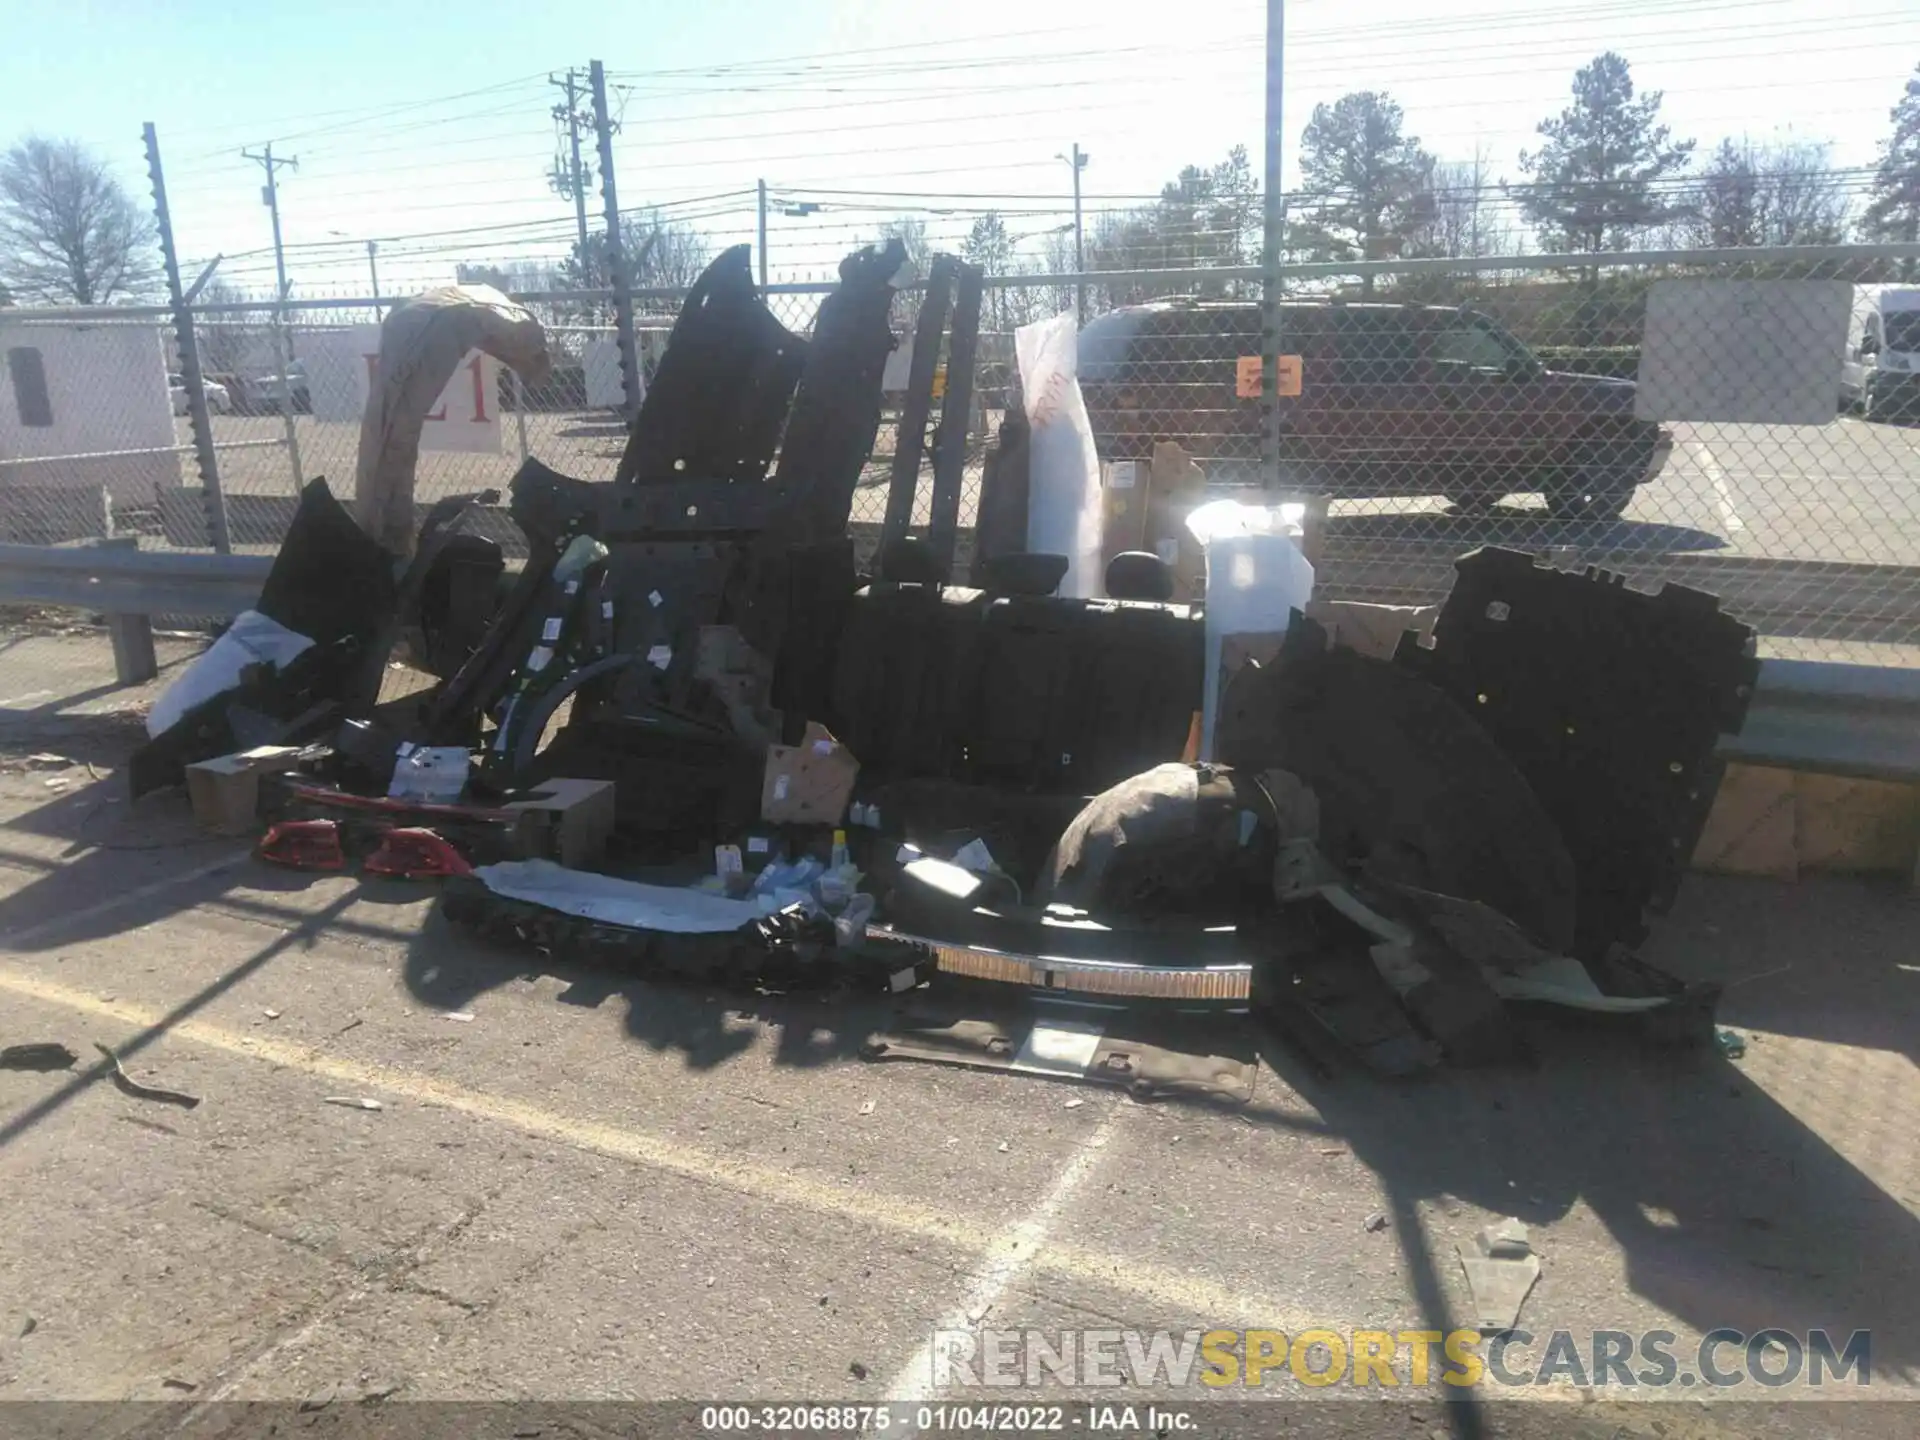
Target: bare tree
{"x": 68, "y": 230}
{"x": 1461, "y": 212}
{"x": 230, "y": 341}
{"x": 1767, "y": 195}
{"x": 911, "y": 232}
{"x": 669, "y": 256}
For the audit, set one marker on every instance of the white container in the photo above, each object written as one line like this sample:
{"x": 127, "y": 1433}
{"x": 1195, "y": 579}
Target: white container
{"x": 1256, "y": 578}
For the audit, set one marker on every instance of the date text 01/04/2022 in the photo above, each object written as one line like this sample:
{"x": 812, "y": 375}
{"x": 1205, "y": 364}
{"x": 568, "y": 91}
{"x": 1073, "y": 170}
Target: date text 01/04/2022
{"x": 936, "y": 1419}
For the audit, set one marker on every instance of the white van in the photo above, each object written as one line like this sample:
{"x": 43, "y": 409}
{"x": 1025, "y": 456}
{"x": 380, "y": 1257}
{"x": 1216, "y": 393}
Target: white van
{"x": 1881, "y": 374}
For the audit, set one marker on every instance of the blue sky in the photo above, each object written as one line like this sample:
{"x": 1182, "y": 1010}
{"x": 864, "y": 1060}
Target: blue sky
{"x": 432, "y": 121}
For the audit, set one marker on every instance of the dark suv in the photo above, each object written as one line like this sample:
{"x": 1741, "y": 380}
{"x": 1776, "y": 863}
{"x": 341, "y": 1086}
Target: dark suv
{"x": 1394, "y": 400}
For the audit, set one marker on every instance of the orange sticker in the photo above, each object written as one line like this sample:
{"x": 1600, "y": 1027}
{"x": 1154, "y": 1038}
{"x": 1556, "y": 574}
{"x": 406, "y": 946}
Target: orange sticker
{"x": 1247, "y": 376}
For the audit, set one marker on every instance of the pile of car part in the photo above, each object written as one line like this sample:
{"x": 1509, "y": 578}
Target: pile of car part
{"x": 871, "y": 776}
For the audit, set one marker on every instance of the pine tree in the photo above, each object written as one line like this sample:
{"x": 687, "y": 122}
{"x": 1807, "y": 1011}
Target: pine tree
{"x": 1894, "y": 211}
{"x": 1365, "y": 178}
{"x": 1596, "y": 180}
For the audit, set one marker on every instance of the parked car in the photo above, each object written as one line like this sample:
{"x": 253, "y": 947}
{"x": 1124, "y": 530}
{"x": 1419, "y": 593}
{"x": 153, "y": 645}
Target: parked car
{"x": 1880, "y": 376}
{"x": 264, "y": 392}
{"x": 218, "y": 400}
{"x": 1394, "y": 400}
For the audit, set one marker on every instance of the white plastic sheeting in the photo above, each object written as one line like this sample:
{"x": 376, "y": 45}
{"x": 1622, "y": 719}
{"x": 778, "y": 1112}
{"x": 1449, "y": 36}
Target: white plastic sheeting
{"x": 1063, "y": 506}
{"x": 622, "y": 902}
{"x": 1256, "y": 578}
{"x": 252, "y": 639}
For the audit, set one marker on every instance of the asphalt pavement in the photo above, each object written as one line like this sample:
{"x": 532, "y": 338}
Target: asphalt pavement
{"x": 581, "y": 1186}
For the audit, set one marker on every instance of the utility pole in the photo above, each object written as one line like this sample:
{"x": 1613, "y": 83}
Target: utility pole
{"x": 763, "y": 234}
{"x": 576, "y": 184}
{"x": 282, "y": 341}
{"x": 1078, "y": 160}
{"x": 1273, "y": 237}
{"x": 373, "y": 274}
{"x": 616, "y": 257}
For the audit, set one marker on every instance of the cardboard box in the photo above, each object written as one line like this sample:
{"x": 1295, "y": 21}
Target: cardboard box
{"x": 225, "y": 791}
{"x": 1123, "y": 492}
{"x": 809, "y": 783}
{"x": 1175, "y": 486}
{"x": 1784, "y": 824}
{"x": 1750, "y": 830}
{"x": 1371, "y": 629}
{"x": 565, "y": 820}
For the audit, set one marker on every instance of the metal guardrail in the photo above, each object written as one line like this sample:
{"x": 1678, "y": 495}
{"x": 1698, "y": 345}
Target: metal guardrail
{"x": 115, "y": 579}
{"x": 1811, "y": 715}
{"x": 130, "y": 586}
{"x": 1855, "y": 720}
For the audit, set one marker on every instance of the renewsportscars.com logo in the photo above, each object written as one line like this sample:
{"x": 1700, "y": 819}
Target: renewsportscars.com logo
{"x": 1316, "y": 1358}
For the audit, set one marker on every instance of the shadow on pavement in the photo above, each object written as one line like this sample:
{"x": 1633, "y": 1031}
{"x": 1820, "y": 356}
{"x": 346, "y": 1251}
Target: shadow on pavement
{"x": 1726, "y": 1208}
{"x": 449, "y": 968}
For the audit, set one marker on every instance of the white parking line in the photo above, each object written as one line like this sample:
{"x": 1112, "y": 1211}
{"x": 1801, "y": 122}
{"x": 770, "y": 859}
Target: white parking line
{"x": 1012, "y": 1252}
{"x": 1722, "y": 491}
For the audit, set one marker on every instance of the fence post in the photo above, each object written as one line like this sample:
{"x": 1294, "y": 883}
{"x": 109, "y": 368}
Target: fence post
{"x": 520, "y": 410}
{"x": 1273, "y": 239}
{"x": 616, "y": 258}
{"x": 190, "y": 376}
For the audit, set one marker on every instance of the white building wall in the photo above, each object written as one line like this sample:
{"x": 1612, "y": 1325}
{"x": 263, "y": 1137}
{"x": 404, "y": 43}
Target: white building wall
{"x": 107, "y": 391}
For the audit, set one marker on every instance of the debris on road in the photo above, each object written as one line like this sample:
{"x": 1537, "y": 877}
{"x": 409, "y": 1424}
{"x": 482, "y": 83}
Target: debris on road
{"x": 1375, "y": 1222}
{"x": 857, "y": 1370}
{"x": 698, "y": 736}
{"x": 185, "y": 1386}
{"x": 37, "y": 1055}
{"x": 1730, "y": 1043}
{"x": 354, "y": 1102}
{"x": 41, "y": 760}
{"x": 28, "y": 1327}
{"x": 271, "y": 1014}
{"x": 127, "y": 1085}
{"x": 1501, "y": 1268}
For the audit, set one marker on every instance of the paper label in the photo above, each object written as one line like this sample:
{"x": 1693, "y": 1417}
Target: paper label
{"x": 727, "y": 861}
{"x": 1059, "y": 1048}
{"x": 756, "y": 845}
{"x": 1123, "y": 474}
{"x": 1247, "y": 376}
{"x": 573, "y": 587}
{"x": 656, "y": 599}
{"x": 823, "y": 747}
{"x": 551, "y": 630}
{"x": 660, "y": 656}
{"x": 540, "y": 658}
{"x": 781, "y": 784}
{"x": 606, "y": 609}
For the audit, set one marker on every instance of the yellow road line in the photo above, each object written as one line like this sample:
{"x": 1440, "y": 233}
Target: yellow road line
{"x": 1193, "y": 1296}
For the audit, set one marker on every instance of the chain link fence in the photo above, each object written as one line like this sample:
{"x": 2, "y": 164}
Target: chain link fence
{"x": 1439, "y": 405}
